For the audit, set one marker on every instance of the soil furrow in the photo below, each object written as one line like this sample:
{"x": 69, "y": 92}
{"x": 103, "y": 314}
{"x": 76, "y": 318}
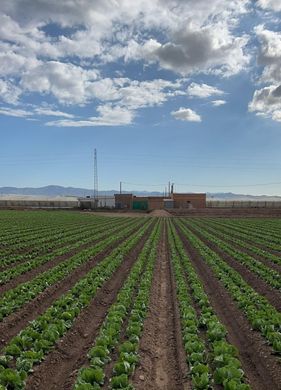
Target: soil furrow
{"x": 59, "y": 370}
{"x": 11, "y": 325}
{"x": 261, "y": 367}
{"x": 258, "y": 284}
{"x": 161, "y": 354}
{"x": 250, "y": 241}
{"x": 29, "y": 275}
{"x": 248, "y": 251}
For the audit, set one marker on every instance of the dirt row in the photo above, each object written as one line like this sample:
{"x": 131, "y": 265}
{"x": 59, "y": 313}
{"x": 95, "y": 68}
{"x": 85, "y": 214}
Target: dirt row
{"x": 162, "y": 357}
{"x": 260, "y": 366}
{"x": 259, "y": 285}
{"x": 59, "y": 369}
{"x": 12, "y": 324}
{"x": 260, "y": 258}
{"x": 248, "y": 240}
{"x": 42, "y": 251}
{"x": 26, "y": 276}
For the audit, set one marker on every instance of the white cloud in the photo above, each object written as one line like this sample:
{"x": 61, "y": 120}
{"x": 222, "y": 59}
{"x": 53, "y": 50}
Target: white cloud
{"x": 108, "y": 116}
{"x": 186, "y": 114}
{"x": 274, "y": 5}
{"x": 67, "y": 82}
{"x": 203, "y": 90}
{"x": 14, "y": 112}
{"x": 49, "y": 112}
{"x": 210, "y": 49}
{"x": 9, "y": 93}
{"x": 270, "y": 54}
{"x": 218, "y": 103}
{"x": 267, "y": 102}
{"x": 185, "y": 37}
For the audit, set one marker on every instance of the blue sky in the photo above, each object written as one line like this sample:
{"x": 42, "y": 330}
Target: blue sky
{"x": 164, "y": 90}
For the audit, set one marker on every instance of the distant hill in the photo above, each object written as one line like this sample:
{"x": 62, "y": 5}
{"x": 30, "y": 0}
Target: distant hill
{"x": 54, "y": 191}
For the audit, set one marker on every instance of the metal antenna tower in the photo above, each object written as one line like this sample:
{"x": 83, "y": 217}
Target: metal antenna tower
{"x": 95, "y": 178}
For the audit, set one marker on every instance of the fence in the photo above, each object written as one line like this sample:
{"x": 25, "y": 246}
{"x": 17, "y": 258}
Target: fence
{"x": 243, "y": 204}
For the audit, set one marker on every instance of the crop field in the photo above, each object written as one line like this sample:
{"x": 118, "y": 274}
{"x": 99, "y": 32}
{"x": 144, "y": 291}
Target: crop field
{"x": 89, "y": 301}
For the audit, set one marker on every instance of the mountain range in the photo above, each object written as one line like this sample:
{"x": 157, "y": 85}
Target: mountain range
{"x": 54, "y": 191}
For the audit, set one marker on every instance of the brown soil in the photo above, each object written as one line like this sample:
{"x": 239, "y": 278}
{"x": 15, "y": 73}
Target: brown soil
{"x": 229, "y": 212}
{"x": 261, "y": 367}
{"x": 25, "y": 277}
{"x": 266, "y": 262}
{"x": 12, "y": 324}
{"x": 72, "y": 238}
{"x": 273, "y": 296}
{"x": 159, "y": 213}
{"x": 118, "y": 213}
{"x": 162, "y": 364}
{"x": 253, "y": 243}
{"x": 59, "y": 370}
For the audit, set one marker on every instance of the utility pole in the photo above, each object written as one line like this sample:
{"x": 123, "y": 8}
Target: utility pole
{"x": 96, "y": 199}
{"x": 169, "y": 190}
{"x": 120, "y": 187}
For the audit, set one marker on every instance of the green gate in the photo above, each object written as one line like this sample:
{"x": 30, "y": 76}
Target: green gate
{"x": 140, "y": 205}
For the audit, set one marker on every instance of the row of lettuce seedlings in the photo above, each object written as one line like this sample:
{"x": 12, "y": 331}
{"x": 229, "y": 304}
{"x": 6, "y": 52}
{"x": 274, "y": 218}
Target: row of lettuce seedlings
{"x": 122, "y": 328}
{"x": 50, "y": 242}
{"x": 11, "y": 273}
{"x": 26, "y": 238}
{"x": 15, "y": 298}
{"x": 269, "y": 275}
{"x": 262, "y": 316}
{"x": 228, "y": 234}
{"x": 211, "y": 358}
{"x": 35, "y": 341}
{"x": 13, "y": 232}
{"x": 255, "y": 233}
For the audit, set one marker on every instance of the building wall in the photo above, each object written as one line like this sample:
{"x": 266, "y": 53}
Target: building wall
{"x": 155, "y": 202}
{"x": 184, "y": 201}
{"x": 124, "y": 201}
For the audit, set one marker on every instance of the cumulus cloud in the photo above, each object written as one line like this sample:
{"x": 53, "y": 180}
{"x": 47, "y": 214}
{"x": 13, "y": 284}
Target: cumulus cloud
{"x": 274, "y": 5}
{"x": 62, "y": 48}
{"x": 270, "y": 54}
{"x": 203, "y": 90}
{"x": 218, "y": 103}
{"x": 186, "y": 114}
{"x": 108, "y": 116}
{"x": 267, "y": 102}
{"x": 67, "y": 82}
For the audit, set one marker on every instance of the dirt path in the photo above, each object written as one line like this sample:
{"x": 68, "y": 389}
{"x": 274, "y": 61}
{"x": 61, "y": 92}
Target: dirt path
{"x": 161, "y": 354}
{"x": 58, "y": 371}
{"x": 261, "y": 367}
{"x": 259, "y": 285}
{"x": 159, "y": 213}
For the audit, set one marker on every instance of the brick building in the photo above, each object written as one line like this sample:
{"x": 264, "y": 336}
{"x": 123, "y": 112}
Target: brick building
{"x": 176, "y": 200}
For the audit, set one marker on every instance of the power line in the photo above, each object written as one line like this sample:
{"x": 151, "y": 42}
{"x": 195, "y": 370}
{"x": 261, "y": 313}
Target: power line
{"x": 228, "y": 186}
{"x": 202, "y": 185}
